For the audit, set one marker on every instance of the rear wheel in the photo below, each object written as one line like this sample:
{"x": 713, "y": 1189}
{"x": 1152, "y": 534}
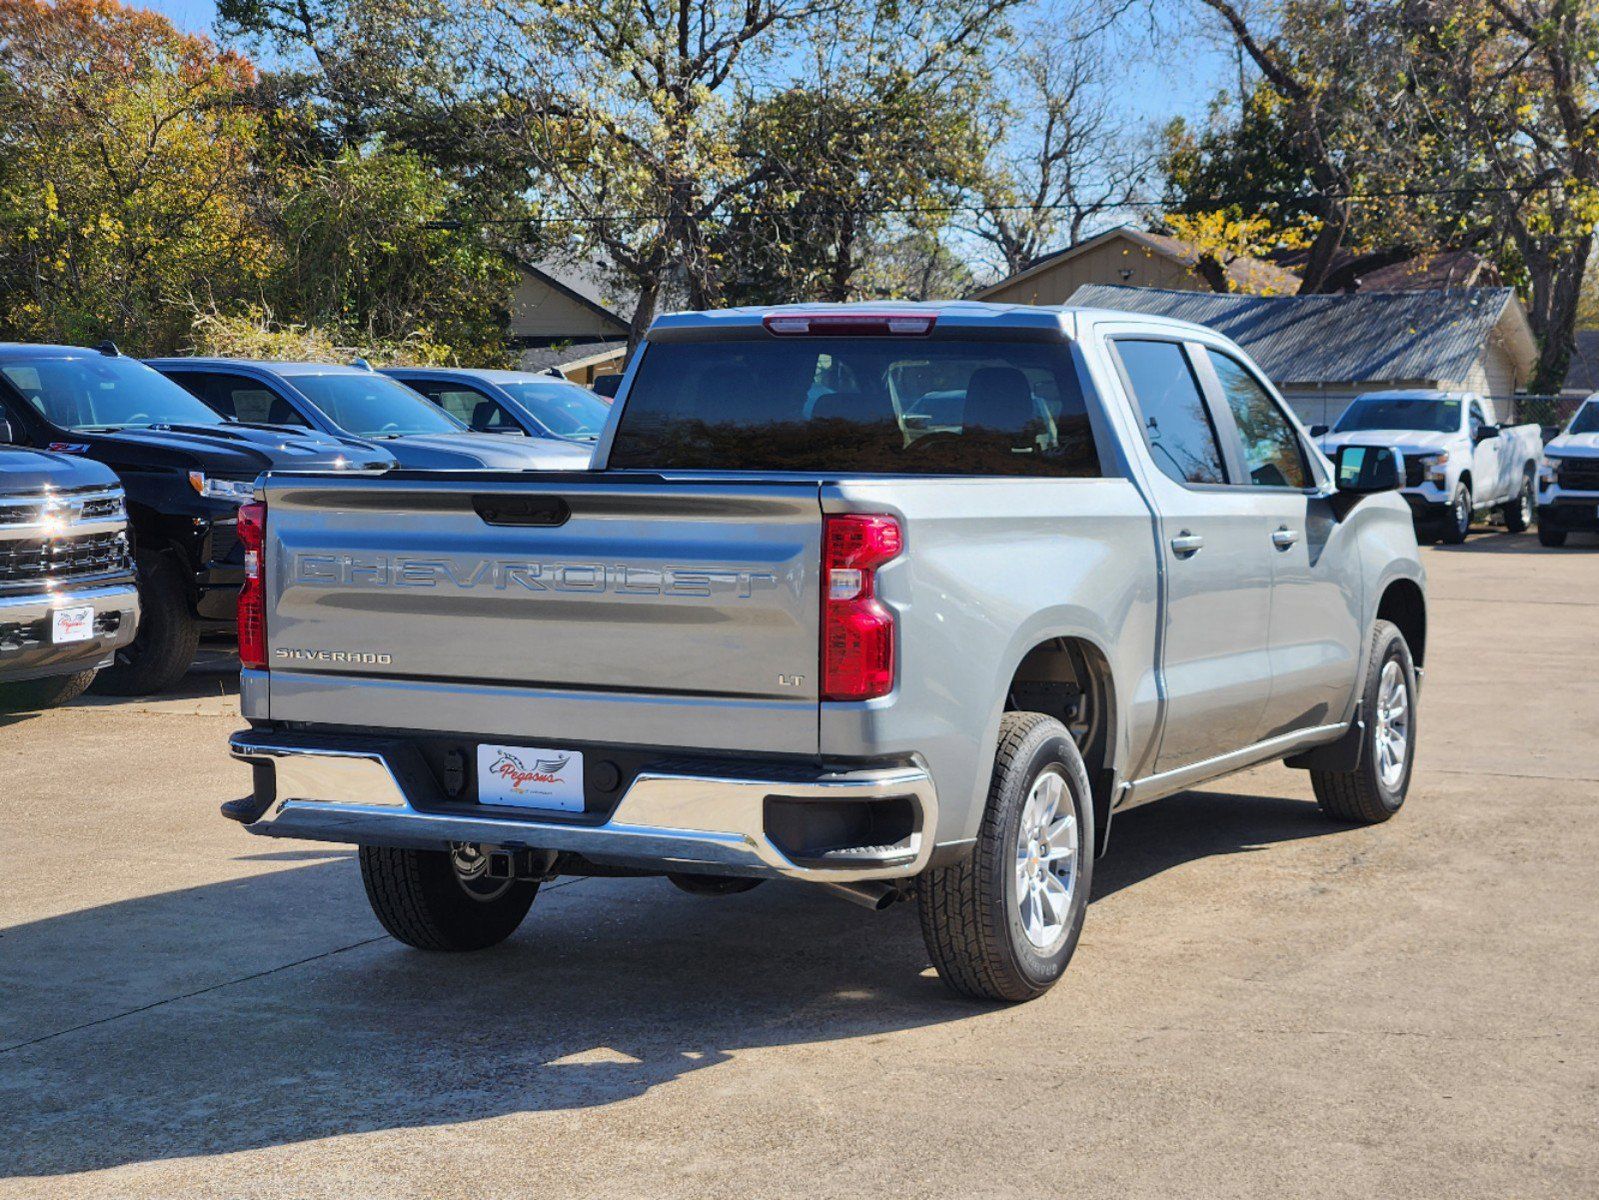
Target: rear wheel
{"x": 1003, "y": 924}
{"x": 1519, "y": 512}
{"x": 1376, "y": 789}
{"x": 35, "y": 694}
{"x": 443, "y": 899}
{"x": 162, "y": 651}
{"x": 1457, "y": 520}
{"x": 1551, "y": 537}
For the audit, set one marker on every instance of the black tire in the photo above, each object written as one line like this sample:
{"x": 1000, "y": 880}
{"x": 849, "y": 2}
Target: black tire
{"x": 1363, "y": 796}
{"x": 1457, "y": 520}
{"x": 34, "y": 694}
{"x": 1551, "y": 537}
{"x": 163, "y": 649}
{"x": 422, "y": 901}
{"x": 970, "y": 915}
{"x": 713, "y": 885}
{"x": 1519, "y": 512}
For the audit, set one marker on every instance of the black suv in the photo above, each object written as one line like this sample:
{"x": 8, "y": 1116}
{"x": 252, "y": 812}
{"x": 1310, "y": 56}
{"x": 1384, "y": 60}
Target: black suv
{"x": 186, "y": 470}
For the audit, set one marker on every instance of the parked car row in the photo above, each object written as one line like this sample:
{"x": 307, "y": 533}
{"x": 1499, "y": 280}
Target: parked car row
{"x": 174, "y": 448}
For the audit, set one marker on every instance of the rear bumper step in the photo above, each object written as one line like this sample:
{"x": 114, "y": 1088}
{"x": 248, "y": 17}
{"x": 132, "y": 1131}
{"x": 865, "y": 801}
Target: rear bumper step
{"x": 306, "y": 789}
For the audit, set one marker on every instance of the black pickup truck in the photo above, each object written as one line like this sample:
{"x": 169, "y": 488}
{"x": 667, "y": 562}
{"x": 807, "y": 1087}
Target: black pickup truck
{"x": 185, "y": 469}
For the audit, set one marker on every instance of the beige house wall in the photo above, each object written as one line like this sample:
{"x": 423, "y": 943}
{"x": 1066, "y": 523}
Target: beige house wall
{"x": 1055, "y": 283}
{"x": 540, "y": 311}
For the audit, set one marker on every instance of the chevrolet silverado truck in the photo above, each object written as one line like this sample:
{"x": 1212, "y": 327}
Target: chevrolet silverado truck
{"x": 1568, "y": 486}
{"x": 185, "y": 471}
{"x": 783, "y": 631}
{"x": 67, "y": 594}
{"x": 1458, "y": 461}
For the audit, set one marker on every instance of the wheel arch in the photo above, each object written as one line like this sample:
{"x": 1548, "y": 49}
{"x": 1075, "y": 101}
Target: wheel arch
{"x": 1404, "y": 604}
{"x": 1068, "y": 676}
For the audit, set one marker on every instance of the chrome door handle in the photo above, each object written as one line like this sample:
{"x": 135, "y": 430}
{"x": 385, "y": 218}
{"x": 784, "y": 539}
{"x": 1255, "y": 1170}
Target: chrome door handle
{"x": 1284, "y": 537}
{"x": 1186, "y": 544}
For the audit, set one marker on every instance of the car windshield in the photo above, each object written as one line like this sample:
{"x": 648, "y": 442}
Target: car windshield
{"x": 88, "y": 395}
{"x": 1587, "y": 419}
{"x": 563, "y": 408}
{"x": 1423, "y": 416}
{"x": 863, "y": 404}
{"x": 374, "y": 406}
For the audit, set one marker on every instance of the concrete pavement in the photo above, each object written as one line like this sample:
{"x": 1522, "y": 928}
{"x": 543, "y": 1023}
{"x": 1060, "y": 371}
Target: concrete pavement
{"x": 1263, "y": 1004}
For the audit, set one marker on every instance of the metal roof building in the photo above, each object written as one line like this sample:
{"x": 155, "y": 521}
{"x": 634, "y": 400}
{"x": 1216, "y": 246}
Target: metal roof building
{"x": 1324, "y": 350}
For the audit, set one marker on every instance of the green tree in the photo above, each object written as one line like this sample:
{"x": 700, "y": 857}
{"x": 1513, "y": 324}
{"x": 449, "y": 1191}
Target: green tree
{"x": 125, "y": 154}
{"x": 1515, "y": 82}
{"x": 372, "y": 255}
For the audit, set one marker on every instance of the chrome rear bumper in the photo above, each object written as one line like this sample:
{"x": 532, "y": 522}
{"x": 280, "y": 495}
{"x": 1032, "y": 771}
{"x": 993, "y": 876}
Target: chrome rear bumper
{"x": 671, "y": 821}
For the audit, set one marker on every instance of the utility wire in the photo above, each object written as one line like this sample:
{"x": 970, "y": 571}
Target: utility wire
{"x": 1190, "y": 203}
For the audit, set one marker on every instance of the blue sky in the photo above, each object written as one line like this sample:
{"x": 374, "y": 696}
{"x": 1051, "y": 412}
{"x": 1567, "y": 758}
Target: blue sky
{"x": 1196, "y": 62}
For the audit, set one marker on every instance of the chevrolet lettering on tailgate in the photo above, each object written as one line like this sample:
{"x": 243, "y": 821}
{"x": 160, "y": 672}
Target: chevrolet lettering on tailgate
{"x": 351, "y": 570}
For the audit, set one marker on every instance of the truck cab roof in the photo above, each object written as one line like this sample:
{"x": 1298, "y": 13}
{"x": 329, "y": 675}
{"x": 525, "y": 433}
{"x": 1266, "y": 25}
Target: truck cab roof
{"x": 946, "y": 314}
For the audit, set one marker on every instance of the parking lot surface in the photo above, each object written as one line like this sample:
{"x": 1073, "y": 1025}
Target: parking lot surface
{"x": 1263, "y": 1003}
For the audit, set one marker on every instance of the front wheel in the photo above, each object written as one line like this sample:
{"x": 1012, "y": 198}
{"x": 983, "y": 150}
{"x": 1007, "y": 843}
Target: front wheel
{"x": 1551, "y": 537}
{"x": 1003, "y": 924}
{"x": 443, "y": 899}
{"x": 163, "y": 648}
{"x": 1457, "y": 520}
{"x": 1376, "y": 789}
{"x": 1519, "y": 512}
{"x": 36, "y": 694}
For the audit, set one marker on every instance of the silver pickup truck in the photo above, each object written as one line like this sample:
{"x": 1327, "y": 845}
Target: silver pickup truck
{"x": 67, "y": 597}
{"x": 903, "y": 601}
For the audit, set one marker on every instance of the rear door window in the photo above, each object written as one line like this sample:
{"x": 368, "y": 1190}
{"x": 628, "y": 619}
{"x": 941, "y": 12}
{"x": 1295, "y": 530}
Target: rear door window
{"x": 465, "y": 404}
{"x": 1177, "y": 425}
{"x": 863, "y": 405}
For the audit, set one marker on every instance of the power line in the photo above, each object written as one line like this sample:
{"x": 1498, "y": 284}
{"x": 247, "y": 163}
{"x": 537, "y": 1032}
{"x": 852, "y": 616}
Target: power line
{"x": 1188, "y": 203}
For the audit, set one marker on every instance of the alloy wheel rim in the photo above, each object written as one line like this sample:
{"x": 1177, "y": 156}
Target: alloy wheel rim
{"x": 1047, "y": 847}
{"x": 1462, "y": 512}
{"x": 1526, "y": 503}
{"x": 1393, "y": 725}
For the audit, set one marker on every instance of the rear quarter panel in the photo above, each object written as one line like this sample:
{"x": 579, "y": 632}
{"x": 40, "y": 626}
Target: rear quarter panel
{"x": 992, "y": 568}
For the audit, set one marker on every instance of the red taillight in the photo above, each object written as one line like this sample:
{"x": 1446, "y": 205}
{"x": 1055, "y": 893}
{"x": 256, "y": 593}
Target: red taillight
{"x": 252, "y": 596}
{"x": 857, "y": 628}
{"x": 851, "y": 324}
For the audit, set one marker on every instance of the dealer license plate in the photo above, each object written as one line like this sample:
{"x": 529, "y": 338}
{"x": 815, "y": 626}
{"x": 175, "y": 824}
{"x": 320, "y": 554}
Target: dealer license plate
{"x": 530, "y": 777}
{"x": 68, "y": 625}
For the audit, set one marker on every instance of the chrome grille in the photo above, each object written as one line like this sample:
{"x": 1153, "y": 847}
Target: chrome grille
{"x": 38, "y": 560}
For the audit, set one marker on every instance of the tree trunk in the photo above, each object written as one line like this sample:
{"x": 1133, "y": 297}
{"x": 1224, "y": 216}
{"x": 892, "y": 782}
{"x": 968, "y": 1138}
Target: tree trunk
{"x": 1329, "y": 240}
{"x": 649, "y": 295}
{"x": 843, "y": 273}
{"x": 1556, "y": 297}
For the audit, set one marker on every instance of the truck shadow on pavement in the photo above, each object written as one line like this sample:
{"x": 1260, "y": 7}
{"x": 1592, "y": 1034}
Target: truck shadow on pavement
{"x": 271, "y": 1010}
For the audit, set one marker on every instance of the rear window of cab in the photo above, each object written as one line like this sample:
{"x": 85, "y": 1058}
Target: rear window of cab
{"x": 859, "y": 405}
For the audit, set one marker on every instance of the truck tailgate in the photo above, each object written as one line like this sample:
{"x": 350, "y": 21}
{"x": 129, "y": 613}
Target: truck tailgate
{"x": 503, "y": 585}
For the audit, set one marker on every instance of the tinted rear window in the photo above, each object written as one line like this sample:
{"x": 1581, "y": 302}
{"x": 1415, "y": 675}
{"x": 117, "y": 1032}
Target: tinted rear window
{"x": 859, "y": 405}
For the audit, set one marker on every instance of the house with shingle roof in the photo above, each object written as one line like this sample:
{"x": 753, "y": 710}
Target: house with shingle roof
{"x": 1130, "y": 257}
{"x": 1324, "y": 350}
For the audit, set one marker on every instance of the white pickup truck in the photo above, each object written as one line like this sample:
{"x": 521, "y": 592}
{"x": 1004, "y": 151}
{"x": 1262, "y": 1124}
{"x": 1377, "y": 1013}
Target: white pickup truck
{"x": 1458, "y": 459}
{"x": 1568, "y": 487}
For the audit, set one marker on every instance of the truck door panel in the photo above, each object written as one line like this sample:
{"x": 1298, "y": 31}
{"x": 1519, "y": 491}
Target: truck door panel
{"x": 1315, "y": 634}
{"x": 1213, "y": 540}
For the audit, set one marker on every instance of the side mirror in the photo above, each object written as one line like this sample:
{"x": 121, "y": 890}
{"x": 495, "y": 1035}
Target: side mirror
{"x": 6, "y": 436}
{"x": 1487, "y": 431}
{"x": 1363, "y": 470}
{"x": 1318, "y": 431}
